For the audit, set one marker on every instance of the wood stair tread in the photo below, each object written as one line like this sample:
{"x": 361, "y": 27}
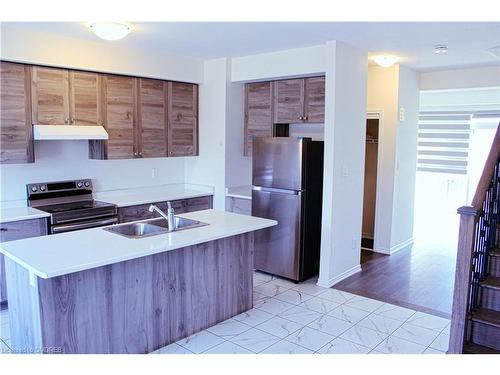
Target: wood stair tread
{"x": 471, "y": 348}
{"x": 494, "y": 252}
{"x": 486, "y": 316}
{"x": 491, "y": 282}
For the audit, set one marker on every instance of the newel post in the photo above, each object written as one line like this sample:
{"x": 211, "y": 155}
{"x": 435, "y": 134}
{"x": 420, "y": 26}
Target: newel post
{"x": 468, "y": 217}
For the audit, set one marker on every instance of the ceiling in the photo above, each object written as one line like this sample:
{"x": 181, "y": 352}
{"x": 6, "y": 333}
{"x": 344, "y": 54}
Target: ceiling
{"x": 468, "y": 42}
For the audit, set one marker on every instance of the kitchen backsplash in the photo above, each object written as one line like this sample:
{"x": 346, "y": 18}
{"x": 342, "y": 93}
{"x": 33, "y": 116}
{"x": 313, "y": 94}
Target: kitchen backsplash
{"x": 61, "y": 160}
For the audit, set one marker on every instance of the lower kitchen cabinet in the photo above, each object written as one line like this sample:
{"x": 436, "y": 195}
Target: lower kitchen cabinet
{"x": 239, "y": 205}
{"x": 17, "y": 230}
{"x": 141, "y": 211}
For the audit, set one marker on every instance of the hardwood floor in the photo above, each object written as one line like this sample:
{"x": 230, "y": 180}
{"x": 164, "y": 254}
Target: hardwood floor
{"x": 420, "y": 278}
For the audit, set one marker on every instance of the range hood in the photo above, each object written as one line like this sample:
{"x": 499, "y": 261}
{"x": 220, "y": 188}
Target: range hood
{"x": 68, "y": 132}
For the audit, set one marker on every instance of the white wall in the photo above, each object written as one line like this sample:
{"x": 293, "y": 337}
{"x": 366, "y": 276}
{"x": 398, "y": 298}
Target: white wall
{"x": 61, "y": 160}
{"x": 382, "y": 96}
{"x": 209, "y": 168}
{"x": 388, "y": 90}
{"x": 487, "y": 76}
{"x": 279, "y": 64}
{"x": 32, "y": 47}
{"x": 406, "y": 160}
{"x": 346, "y": 74}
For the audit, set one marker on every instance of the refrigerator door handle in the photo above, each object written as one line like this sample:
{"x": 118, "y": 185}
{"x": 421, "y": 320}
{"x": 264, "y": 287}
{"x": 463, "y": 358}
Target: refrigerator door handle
{"x": 275, "y": 190}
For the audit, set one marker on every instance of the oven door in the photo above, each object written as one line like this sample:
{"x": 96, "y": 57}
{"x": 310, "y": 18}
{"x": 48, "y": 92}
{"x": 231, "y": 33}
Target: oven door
{"x": 61, "y": 228}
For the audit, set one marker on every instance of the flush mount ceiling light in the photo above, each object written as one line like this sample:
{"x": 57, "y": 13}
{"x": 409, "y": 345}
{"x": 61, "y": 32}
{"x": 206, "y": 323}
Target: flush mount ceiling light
{"x": 110, "y": 30}
{"x": 385, "y": 60}
{"x": 440, "y": 48}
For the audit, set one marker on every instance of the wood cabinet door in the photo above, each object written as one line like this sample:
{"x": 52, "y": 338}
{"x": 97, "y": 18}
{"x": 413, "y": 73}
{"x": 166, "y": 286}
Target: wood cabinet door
{"x": 198, "y": 204}
{"x": 183, "y": 119}
{"x": 314, "y": 100}
{"x": 16, "y": 132}
{"x": 119, "y": 116}
{"x": 288, "y": 101}
{"x": 258, "y": 113}
{"x": 49, "y": 96}
{"x": 152, "y": 118}
{"x": 84, "y": 98}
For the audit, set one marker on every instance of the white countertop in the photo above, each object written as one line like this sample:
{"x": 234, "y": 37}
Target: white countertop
{"x": 9, "y": 214}
{"x": 64, "y": 253}
{"x": 242, "y": 192}
{"x": 144, "y": 195}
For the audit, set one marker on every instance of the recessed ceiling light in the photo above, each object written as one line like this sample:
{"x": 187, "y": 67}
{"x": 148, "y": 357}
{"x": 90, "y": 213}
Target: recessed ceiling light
{"x": 385, "y": 60}
{"x": 440, "y": 48}
{"x": 110, "y": 30}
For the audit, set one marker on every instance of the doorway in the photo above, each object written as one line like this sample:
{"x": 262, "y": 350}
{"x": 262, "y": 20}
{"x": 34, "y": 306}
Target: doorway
{"x": 370, "y": 183}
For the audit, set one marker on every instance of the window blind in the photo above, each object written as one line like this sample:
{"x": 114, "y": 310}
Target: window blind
{"x": 443, "y": 141}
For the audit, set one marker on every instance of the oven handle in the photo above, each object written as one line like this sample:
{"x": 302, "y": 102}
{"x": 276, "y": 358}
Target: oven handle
{"x": 91, "y": 224}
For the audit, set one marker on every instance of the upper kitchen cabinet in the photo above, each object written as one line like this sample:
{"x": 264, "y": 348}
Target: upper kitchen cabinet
{"x": 16, "y": 142}
{"x": 299, "y": 100}
{"x": 63, "y": 97}
{"x": 258, "y": 112}
{"x": 288, "y": 101}
{"x": 182, "y": 119}
{"x": 119, "y": 117}
{"x": 50, "y": 96}
{"x": 84, "y": 98}
{"x": 314, "y": 100}
{"x": 152, "y": 118}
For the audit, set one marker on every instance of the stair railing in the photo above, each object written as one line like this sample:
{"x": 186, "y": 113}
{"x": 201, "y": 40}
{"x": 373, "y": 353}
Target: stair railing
{"x": 477, "y": 235}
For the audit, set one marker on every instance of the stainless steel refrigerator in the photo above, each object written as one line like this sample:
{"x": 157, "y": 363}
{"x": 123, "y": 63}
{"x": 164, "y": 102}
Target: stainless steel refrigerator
{"x": 287, "y": 178}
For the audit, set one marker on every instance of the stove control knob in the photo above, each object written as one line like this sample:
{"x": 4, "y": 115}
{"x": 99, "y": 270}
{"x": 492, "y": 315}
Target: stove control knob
{"x": 87, "y": 184}
{"x": 34, "y": 189}
{"x": 79, "y": 184}
{"x": 43, "y": 188}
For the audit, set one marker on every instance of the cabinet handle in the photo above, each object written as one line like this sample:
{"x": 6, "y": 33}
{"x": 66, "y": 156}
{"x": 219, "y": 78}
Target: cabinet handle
{"x": 66, "y": 121}
{"x": 301, "y": 117}
{"x": 170, "y": 153}
{"x": 135, "y": 154}
{"x": 305, "y": 118}
{"x": 140, "y": 154}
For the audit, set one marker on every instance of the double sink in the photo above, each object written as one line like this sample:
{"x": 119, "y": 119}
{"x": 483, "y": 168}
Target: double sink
{"x": 153, "y": 227}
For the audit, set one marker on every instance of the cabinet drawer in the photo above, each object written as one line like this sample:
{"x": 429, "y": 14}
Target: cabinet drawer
{"x": 17, "y": 230}
{"x": 198, "y": 204}
{"x": 239, "y": 206}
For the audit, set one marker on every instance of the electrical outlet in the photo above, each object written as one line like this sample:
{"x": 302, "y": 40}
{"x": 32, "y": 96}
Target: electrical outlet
{"x": 154, "y": 172}
{"x": 402, "y": 114}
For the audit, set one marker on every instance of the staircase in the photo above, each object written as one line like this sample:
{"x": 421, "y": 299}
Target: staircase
{"x": 475, "y": 321}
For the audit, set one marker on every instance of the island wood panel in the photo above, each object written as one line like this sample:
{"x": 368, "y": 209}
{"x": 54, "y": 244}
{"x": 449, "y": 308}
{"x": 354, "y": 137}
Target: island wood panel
{"x": 119, "y": 115}
{"x": 198, "y": 204}
{"x": 288, "y": 101}
{"x": 258, "y": 113}
{"x": 16, "y": 132}
{"x": 152, "y": 118}
{"x": 85, "y": 98}
{"x": 24, "y": 310}
{"x": 17, "y": 230}
{"x": 135, "y": 306}
{"x": 314, "y": 100}
{"x": 182, "y": 119}
{"x": 49, "y": 96}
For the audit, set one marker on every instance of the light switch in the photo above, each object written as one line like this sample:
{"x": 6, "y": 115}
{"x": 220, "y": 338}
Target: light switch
{"x": 154, "y": 172}
{"x": 402, "y": 114}
{"x": 345, "y": 171}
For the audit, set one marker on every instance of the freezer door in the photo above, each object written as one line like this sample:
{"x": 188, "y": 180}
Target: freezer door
{"x": 277, "y": 163}
{"x": 277, "y": 248}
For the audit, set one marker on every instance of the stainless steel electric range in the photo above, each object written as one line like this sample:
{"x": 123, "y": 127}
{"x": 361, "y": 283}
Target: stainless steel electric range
{"x": 71, "y": 205}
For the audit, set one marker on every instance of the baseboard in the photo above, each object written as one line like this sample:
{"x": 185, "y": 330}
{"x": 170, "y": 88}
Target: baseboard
{"x": 395, "y": 248}
{"x": 402, "y": 245}
{"x": 334, "y": 280}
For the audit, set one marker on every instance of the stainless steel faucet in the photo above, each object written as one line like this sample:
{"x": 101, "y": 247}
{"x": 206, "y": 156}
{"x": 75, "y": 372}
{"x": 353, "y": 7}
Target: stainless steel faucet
{"x": 169, "y": 216}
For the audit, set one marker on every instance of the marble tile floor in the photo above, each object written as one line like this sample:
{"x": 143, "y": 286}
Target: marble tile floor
{"x": 304, "y": 318}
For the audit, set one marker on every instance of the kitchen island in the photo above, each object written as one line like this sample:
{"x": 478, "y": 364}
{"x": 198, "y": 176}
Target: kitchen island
{"x": 93, "y": 291}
